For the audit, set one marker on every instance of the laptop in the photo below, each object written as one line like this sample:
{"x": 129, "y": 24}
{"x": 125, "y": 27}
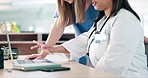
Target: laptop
{"x": 29, "y": 65}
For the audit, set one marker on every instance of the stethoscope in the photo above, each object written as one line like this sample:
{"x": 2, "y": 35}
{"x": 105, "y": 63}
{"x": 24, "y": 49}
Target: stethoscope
{"x": 95, "y": 27}
{"x": 96, "y": 32}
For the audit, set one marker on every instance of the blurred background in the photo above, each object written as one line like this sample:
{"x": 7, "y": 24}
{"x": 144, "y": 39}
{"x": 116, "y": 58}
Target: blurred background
{"x": 38, "y": 15}
{"x": 30, "y": 15}
{"x": 140, "y": 6}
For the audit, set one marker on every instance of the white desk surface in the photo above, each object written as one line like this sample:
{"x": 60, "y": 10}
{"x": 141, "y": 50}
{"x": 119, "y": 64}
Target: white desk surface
{"x": 77, "y": 71}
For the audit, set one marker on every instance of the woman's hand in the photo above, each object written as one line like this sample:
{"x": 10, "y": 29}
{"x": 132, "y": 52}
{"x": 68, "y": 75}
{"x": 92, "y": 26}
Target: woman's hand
{"x": 35, "y": 56}
{"x": 48, "y": 48}
{"x": 45, "y": 48}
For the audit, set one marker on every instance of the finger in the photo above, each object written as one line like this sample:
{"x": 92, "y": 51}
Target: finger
{"x": 38, "y": 43}
{"x": 37, "y": 56}
{"x": 28, "y": 57}
{"x": 36, "y": 46}
{"x": 33, "y": 56}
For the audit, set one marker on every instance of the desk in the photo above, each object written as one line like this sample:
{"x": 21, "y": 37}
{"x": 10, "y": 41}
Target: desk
{"x": 77, "y": 71}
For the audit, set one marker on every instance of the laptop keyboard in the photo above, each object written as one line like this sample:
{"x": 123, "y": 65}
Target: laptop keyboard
{"x": 33, "y": 61}
{"x": 25, "y": 61}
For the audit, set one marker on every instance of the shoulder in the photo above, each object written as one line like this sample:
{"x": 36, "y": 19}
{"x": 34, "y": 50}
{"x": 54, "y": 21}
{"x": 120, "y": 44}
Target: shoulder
{"x": 124, "y": 15}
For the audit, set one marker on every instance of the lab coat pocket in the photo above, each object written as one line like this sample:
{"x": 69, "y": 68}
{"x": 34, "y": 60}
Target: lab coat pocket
{"x": 100, "y": 49}
{"x": 100, "y": 45}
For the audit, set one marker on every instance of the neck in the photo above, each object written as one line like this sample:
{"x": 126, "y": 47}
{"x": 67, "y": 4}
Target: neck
{"x": 108, "y": 10}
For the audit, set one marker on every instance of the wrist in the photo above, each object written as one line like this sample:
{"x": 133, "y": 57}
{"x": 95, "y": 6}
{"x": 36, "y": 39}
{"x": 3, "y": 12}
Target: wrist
{"x": 44, "y": 53}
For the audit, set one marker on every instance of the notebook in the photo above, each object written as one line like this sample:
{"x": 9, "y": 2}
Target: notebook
{"x": 29, "y": 65}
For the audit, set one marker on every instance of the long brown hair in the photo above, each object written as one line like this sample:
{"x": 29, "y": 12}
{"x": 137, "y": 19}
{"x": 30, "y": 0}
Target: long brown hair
{"x": 67, "y": 11}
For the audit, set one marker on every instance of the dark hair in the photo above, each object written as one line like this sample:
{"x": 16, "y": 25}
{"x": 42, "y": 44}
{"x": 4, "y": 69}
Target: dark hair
{"x": 117, "y": 5}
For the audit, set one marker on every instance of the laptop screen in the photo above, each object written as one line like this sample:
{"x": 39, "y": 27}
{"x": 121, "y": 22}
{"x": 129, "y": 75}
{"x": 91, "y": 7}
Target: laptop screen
{"x": 8, "y": 40}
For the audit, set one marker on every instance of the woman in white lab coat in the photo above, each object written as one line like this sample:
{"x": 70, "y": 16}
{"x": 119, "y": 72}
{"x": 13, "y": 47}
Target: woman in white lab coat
{"x": 114, "y": 43}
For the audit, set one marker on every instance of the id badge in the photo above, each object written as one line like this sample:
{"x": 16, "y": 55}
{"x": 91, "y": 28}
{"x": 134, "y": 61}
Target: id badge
{"x": 100, "y": 38}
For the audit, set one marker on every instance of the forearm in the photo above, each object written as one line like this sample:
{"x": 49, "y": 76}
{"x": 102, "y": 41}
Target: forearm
{"x": 59, "y": 49}
{"x": 55, "y": 34}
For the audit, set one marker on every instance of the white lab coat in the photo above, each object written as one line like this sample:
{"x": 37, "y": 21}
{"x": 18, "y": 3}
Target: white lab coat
{"x": 123, "y": 51}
